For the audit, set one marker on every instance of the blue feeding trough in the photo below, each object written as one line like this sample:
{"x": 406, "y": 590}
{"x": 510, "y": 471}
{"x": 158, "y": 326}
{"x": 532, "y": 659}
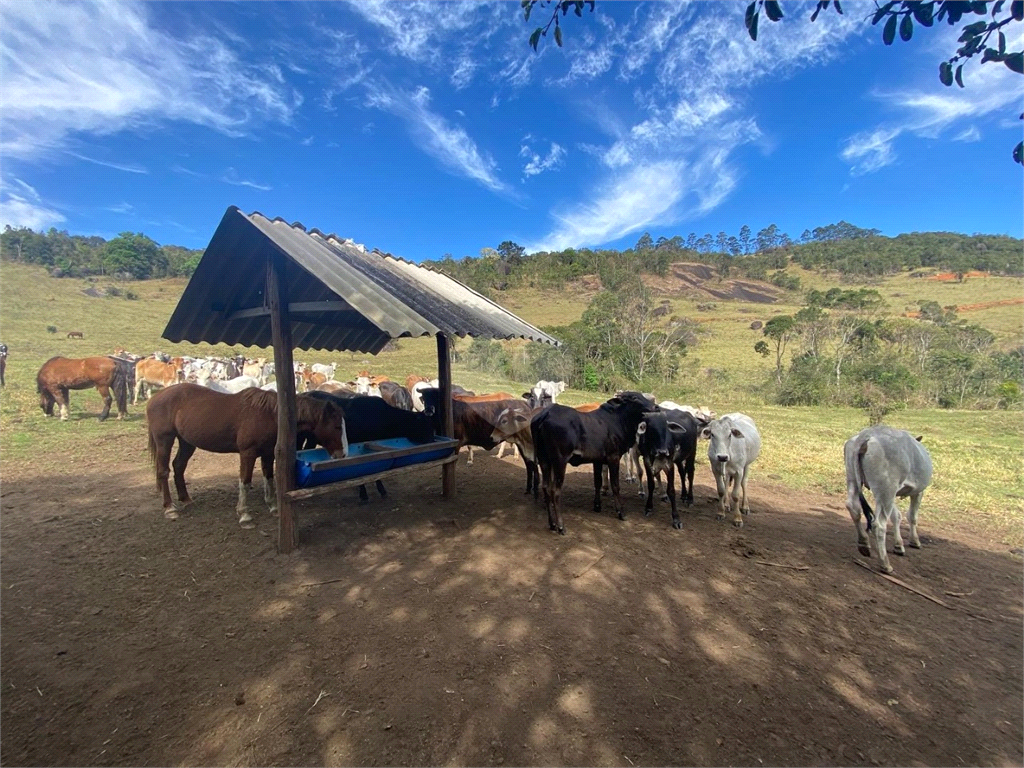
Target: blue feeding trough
{"x": 317, "y": 467}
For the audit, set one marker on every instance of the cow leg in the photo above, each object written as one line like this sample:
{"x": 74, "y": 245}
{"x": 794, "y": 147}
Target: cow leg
{"x": 181, "y": 458}
{"x": 598, "y": 484}
{"x": 532, "y": 478}
{"x": 854, "y": 508}
{"x": 269, "y": 491}
{"x": 665, "y": 495}
{"x": 138, "y": 391}
{"x": 915, "y": 504}
{"x": 554, "y": 476}
{"x": 469, "y": 462}
{"x": 381, "y": 489}
{"x": 739, "y": 497}
{"x": 641, "y": 468}
{"x": 246, "y": 464}
{"x": 613, "y": 469}
{"x": 721, "y": 485}
{"x": 689, "y": 478}
{"x": 649, "y": 506}
{"x": 894, "y": 515}
{"x": 364, "y": 497}
{"x": 881, "y": 524}
{"x": 632, "y": 465}
{"x": 671, "y": 471}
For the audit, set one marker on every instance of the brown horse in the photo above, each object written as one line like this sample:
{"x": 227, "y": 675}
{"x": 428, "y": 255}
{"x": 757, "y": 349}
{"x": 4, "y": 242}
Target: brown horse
{"x": 60, "y": 374}
{"x": 244, "y": 423}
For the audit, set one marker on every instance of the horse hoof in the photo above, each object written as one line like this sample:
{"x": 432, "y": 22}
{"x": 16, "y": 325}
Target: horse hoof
{"x": 745, "y": 511}
{"x": 864, "y": 549}
{"x": 738, "y": 523}
{"x": 561, "y": 531}
{"x": 665, "y": 498}
{"x": 170, "y": 514}
{"x": 677, "y": 524}
{"x": 622, "y": 515}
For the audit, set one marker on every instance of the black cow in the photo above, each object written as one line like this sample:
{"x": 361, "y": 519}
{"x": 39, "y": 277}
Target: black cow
{"x": 563, "y": 435}
{"x": 667, "y": 440}
{"x": 370, "y": 418}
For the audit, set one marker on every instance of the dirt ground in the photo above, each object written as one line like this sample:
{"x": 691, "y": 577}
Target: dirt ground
{"x": 415, "y": 631}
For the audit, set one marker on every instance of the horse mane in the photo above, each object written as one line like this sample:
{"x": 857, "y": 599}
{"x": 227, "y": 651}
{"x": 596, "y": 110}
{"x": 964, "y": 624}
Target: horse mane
{"x": 307, "y": 409}
{"x": 259, "y": 399}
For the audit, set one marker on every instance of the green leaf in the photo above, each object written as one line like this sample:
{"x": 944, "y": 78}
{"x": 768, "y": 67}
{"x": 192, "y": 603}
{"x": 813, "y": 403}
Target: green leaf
{"x": 973, "y": 30}
{"x": 772, "y": 10}
{"x": 748, "y": 18}
{"x": 881, "y": 12}
{"x": 1015, "y": 61}
{"x": 527, "y": 7}
{"x": 1018, "y": 153}
{"x": 979, "y": 7}
{"x": 558, "y": 35}
{"x": 1002, "y": 43}
{"x": 839, "y": 8}
{"x": 946, "y": 73}
{"x": 991, "y": 54}
{"x": 906, "y": 28}
{"x": 923, "y": 14}
{"x": 957, "y": 76}
{"x": 535, "y": 38}
{"x": 889, "y": 33}
{"x": 579, "y": 8}
{"x": 753, "y": 28}
{"x": 1017, "y": 10}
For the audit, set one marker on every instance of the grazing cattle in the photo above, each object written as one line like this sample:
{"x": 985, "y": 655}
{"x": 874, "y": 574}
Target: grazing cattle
{"x": 416, "y": 392}
{"x": 667, "y": 440}
{"x": 891, "y": 463}
{"x": 395, "y": 395}
{"x": 76, "y": 335}
{"x": 3, "y": 365}
{"x": 458, "y": 393}
{"x": 337, "y": 388}
{"x": 735, "y": 443}
{"x": 311, "y": 380}
{"x": 412, "y": 379}
{"x": 473, "y": 422}
{"x": 563, "y": 435}
{"x": 702, "y": 414}
{"x": 513, "y": 426}
{"x": 255, "y": 368}
{"x": 231, "y": 386}
{"x": 244, "y": 423}
{"x": 371, "y": 418}
{"x": 153, "y": 374}
{"x": 327, "y": 370}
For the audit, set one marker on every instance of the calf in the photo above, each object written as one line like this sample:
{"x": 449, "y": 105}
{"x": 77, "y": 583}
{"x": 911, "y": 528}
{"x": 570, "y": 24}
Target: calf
{"x": 154, "y": 374}
{"x": 327, "y": 370}
{"x": 891, "y": 463}
{"x": 513, "y": 426}
{"x": 734, "y": 444}
{"x": 563, "y": 435}
{"x": 370, "y": 418}
{"x": 684, "y": 457}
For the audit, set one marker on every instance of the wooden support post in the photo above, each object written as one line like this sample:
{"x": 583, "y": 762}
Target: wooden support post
{"x": 284, "y": 452}
{"x": 444, "y": 377}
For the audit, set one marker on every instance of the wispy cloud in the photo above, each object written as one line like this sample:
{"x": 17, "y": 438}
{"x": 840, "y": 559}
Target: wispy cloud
{"x": 969, "y": 134}
{"x": 16, "y": 211}
{"x": 107, "y": 164}
{"x": 103, "y": 67}
{"x": 231, "y": 177}
{"x": 535, "y": 163}
{"x": 868, "y": 152}
{"x": 121, "y": 208}
{"x": 449, "y": 144}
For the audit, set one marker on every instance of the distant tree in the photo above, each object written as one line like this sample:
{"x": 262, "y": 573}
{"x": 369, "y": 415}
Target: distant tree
{"x": 645, "y": 243}
{"x": 133, "y": 254}
{"x": 691, "y": 241}
{"x": 746, "y": 241}
{"x": 734, "y": 246}
{"x": 722, "y": 242}
{"x": 780, "y": 330}
{"x": 511, "y": 253}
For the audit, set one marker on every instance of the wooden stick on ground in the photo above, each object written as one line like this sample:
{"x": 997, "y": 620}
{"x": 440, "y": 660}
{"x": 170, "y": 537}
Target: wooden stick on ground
{"x": 321, "y": 583}
{"x": 903, "y": 584}
{"x": 784, "y": 565}
{"x": 577, "y": 575}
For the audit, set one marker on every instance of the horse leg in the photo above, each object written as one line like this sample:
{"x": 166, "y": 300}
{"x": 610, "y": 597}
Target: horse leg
{"x": 63, "y": 401}
{"x": 185, "y": 451}
{"x": 104, "y": 391}
{"x": 247, "y": 462}
{"x": 161, "y": 461}
{"x": 269, "y": 491}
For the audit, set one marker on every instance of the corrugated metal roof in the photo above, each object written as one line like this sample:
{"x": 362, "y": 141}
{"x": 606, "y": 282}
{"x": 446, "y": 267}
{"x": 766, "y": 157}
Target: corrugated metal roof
{"x": 341, "y": 296}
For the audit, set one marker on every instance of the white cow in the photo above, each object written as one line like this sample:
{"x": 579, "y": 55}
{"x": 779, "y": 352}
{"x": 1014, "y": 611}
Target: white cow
{"x": 326, "y": 370}
{"x": 543, "y": 391}
{"x": 891, "y": 463}
{"x": 703, "y": 414}
{"x": 734, "y": 444}
{"x": 230, "y": 386}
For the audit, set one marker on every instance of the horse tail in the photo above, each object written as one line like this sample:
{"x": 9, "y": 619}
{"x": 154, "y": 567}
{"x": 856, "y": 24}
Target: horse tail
{"x": 123, "y": 371}
{"x": 152, "y": 455}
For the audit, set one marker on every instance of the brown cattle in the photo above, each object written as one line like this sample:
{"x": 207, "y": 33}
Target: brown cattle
{"x": 154, "y": 374}
{"x": 473, "y": 422}
{"x": 587, "y": 407}
{"x": 412, "y": 379}
{"x": 311, "y": 380}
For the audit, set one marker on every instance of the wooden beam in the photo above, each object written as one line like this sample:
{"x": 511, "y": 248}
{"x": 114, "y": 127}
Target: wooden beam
{"x": 444, "y": 377}
{"x": 378, "y": 452}
{"x": 287, "y": 410}
{"x": 295, "y": 307}
{"x": 305, "y": 493}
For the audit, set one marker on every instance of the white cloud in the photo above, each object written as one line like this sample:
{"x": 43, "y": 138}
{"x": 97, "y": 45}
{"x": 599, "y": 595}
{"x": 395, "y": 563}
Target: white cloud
{"x": 536, "y": 164}
{"x": 106, "y": 164}
{"x": 449, "y": 144}
{"x": 121, "y": 208}
{"x": 870, "y": 151}
{"x": 231, "y": 177}
{"x": 16, "y": 211}
{"x": 100, "y": 68}
{"x": 306, "y": 142}
{"x": 969, "y": 134}
{"x": 641, "y": 198}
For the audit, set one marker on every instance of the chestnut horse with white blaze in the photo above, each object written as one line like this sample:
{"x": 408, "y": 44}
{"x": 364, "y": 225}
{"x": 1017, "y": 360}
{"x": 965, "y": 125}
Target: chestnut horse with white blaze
{"x": 61, "y": 374}
{"x": 244, "y": 423}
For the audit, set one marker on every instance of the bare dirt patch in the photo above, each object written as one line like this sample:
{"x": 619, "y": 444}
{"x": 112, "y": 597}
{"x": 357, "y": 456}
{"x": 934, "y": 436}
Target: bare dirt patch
{"x": 700, "y": 282}
{"x": 415, "y": 631}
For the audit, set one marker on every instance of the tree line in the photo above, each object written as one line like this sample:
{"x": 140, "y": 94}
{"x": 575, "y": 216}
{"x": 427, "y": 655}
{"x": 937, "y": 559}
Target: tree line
{"x": 129, "y": 256}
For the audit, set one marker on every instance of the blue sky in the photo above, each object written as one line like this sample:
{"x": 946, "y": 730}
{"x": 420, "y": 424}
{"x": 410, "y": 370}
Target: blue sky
{"x": 432, "y": 128}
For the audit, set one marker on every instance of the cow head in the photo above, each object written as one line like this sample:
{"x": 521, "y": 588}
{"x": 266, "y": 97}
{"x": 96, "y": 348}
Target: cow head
{"x": 721, "y": 433}
{"x": 657, "y": 436}
{"x": 510, "y": 423}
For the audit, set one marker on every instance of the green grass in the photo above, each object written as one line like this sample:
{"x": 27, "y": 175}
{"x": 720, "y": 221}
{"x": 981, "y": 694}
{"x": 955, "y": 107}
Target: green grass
{"x": 978, "y": 455}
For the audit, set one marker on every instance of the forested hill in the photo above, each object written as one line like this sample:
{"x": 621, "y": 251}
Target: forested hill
{"x": 842, "y": 248}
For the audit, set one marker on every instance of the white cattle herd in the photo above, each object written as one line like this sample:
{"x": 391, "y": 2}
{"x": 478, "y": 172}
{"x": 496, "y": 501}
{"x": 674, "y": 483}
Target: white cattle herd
{"x": 660, "y": 437}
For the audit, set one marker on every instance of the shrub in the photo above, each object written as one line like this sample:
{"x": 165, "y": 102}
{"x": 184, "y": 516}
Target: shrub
{"x": 131, "y": 295}
{"x": 51, "y": 329}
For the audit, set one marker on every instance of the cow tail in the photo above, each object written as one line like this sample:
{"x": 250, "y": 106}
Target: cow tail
{"x": 869, "y": 514}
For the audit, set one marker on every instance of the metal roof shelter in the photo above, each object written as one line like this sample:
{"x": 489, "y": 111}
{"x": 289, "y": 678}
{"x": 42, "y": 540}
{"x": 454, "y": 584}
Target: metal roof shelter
{"x": 263, "y": 282}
